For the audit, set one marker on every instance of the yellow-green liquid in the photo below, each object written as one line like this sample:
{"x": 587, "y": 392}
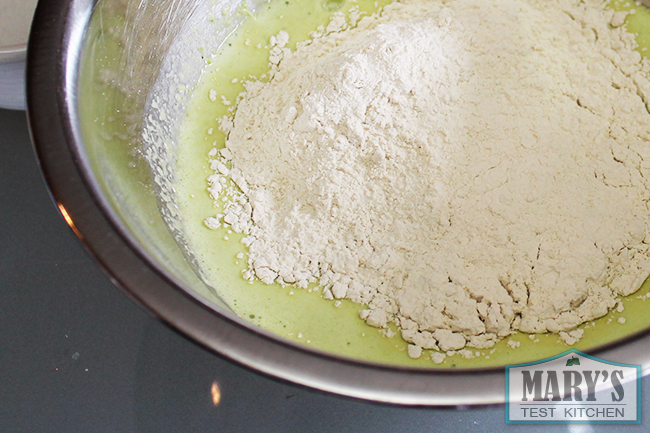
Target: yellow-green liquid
{"x": 299, "y": 314}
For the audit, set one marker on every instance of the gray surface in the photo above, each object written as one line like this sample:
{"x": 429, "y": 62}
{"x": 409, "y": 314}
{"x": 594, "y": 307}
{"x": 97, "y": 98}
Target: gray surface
{"x": 12, "y": 81}
{"x": 76, "y": 355}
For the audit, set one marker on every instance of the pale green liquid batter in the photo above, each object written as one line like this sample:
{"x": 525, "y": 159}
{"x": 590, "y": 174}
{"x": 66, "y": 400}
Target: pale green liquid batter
{"x": 299, "y": 314}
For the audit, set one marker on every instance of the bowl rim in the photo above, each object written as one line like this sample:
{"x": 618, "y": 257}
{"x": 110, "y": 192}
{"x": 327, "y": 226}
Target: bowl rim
{"x": 53, "y": 62}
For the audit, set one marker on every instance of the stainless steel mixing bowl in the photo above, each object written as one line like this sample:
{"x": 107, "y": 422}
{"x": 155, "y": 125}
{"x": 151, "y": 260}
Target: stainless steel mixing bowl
{"x": 102, "y": 73}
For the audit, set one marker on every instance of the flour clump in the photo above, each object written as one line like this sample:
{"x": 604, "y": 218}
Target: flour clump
{"x": 463, "y": 169}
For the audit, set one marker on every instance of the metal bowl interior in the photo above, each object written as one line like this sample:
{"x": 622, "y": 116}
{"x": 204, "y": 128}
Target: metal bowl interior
{"x": 101, "y": 73}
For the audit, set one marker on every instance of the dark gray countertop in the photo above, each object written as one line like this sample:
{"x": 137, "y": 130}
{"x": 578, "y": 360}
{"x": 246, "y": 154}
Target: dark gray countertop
{"x": 76, "y": 355}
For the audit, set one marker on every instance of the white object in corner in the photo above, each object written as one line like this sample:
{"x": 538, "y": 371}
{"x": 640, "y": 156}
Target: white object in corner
{"x": 15, "y": 19}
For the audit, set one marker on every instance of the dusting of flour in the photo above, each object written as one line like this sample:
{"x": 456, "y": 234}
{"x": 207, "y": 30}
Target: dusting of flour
{"x": 463, "y": 169}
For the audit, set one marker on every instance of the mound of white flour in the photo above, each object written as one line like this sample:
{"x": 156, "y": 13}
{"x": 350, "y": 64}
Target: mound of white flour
{"x": 464, "y": 169}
